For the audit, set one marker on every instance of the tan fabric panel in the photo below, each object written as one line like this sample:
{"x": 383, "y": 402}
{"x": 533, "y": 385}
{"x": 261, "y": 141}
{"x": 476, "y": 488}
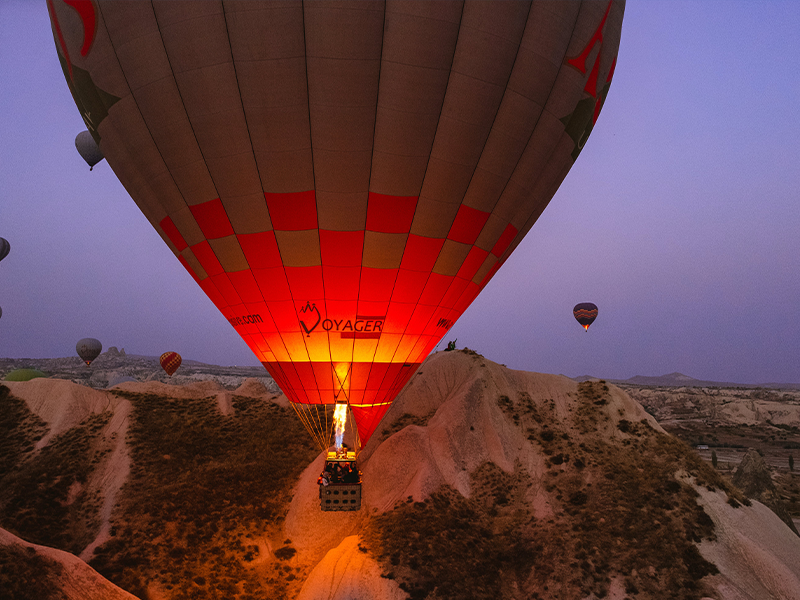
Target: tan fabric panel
{"x": 279, "y": 129}
{"x": 257, "y": 90}
{"x": 299, "y": 248}
{"x": 490, "y": 233}
{"x": 143, "y": 152}
{"x": 195, "y": 183}
{"x": 339, "y": 171}
{"x": 383, "y": 250}
{"x": 344, "y": 30}
{"x": 490, "y": 36}
{"x": 170, "y": 12}
{"x": 543, "y": 48}
{"x": 286, "y": 171}
{"x": 451, "y": 258}
{"x": 265, "y": 31}
{"x": 537, "y": 155}
{"x": 446, "y": 11}
{"x": 187, "y": 226}
{"x": 342, "y": 212}
{"x": 432, "y": 218}
{"x": 215, "y": 110}
{"x": 397, "y": 175}
{"x": 345, "y": 128}
{"x": 487, "y": 265}
{"x": 415, "y": 68}
{"x": 229, "y": 253}
{"x": 421, "y": 34}
{"x": 113, "y": 145}
{"x": 101, "y": 62}
{"x": 248, "y": 214}
{"x": 142, "y": 59}
{"x": 191, "y": 259}
{"x": 162, "y": 108}
{"x": 446, "y": 181}
{"x": 235, "y": 175}
{"x": 127, "y": 21}
{"x": 194, "y": 33}
{"x": 547, "y": 183}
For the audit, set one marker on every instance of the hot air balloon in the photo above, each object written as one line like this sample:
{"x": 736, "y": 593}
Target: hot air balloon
{"x": 170, "y": 361}
{"x": 585, "y": 313}
{"x": 88, "y": 149}
{"x": 5, "y": 248}
{"x": 88, "y": 349}
{"x": 341, "y": 179}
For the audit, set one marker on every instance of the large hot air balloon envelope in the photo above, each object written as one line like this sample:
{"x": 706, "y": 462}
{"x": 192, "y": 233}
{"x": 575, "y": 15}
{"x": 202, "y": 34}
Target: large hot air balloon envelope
{"x": 585, "y": 313}
{"x": 340, "y": 178}
{"x": 88, "y": 349}
{"x": 170, "y": 361}
{"x": 5, "y": 248}
{"x": 88, "y": 149}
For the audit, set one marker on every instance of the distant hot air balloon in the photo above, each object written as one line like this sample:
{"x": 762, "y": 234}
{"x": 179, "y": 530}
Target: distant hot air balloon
{"x": 170, "y": 361}
{"x": 88, "y": 149}
{"x": 5, "y": 248}
{"x": 341, "y": 179}
{"x": 88, "y": 349}
{"x": 585, "y": 313}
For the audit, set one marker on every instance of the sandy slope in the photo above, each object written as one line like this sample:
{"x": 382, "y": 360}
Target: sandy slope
{"x": 457, "y": 424}
{"x": 78, "y": 580}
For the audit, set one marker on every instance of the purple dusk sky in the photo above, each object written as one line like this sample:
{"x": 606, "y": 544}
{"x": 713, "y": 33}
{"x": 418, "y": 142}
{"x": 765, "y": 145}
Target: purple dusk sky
{"x": 680, "y": 219}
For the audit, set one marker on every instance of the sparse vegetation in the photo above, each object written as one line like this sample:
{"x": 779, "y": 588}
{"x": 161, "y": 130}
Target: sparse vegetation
{"x": 404, "y": 421}
{"x": 620, "y": 512}
{"x": 202, "y": 486}
{"x": 26, "y": 575}
{"x": 43, "y": 498}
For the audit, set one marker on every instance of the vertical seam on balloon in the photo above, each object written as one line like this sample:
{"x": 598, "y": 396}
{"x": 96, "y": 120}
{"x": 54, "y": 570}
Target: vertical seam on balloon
{"x": 524, "y": 230}
{"x": 130, "y": 89}
{"x": 422, "y": 184}
{"x": 261, "y": 181}
{"x": 366, "y": 216}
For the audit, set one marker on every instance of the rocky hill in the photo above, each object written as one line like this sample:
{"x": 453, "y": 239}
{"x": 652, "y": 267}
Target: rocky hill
{"x": 482, "y": 482}
{"x": 115, "y": 366}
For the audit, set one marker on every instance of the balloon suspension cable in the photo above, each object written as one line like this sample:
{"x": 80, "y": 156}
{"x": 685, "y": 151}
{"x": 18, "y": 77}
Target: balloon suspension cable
{"x": 315, "y": 433}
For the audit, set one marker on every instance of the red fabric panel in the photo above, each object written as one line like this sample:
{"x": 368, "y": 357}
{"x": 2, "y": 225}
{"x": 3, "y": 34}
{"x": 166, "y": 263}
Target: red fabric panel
{"x": 305, "y": 282}
{"x": 284, "y": 315}
{"x": 490, "y": 274}
{"x": 212, "y": 219}
{"x": 373, "y": 309}
{"x": 260, "y": 249}
{"x": 341, "y": 283}
{"x": 205, "y": 255}
{"x": 245, "y": 285}
{"x": 172, "y": 233}
{"x": 376, "y": 375}
{"x": 272, "y": 283}
{"x": 341, "y": 248}
{"x": 472, "y": 263}
{"x": 376, "y": 284}
{"x": 420, "y": 319}
{"x": 367, "y": 420}
{"x": 454, "y": 292}
{"x": 323, "y": 374}
{"x": 292, "y": 211}
{"x": 435, "y": 289}
{"x": 398, "y": 317}
{"x": 509, "y": 233}
{"x": 226, "y": 288}
{"x": 467, "y": 225}
{"x": 409, "y": 286}
{"x": 188, "y": 268}
{"x": 212, "y": 292}
{"x": 421, "y": 253}
{"x": 390, "y": 214}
